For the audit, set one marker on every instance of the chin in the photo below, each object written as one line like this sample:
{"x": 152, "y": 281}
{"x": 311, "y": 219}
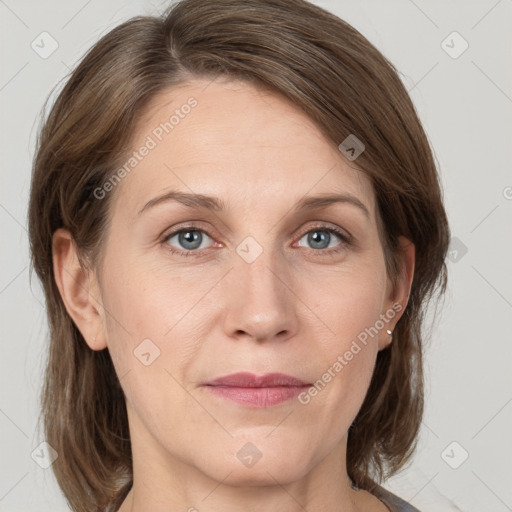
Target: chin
{"x": 250, "y": 466}
{"x": 262, "y": 475}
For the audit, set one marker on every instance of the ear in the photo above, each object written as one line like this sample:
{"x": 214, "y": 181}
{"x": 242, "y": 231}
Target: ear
{"x": 79, "y": 290}
{"x": 398, "y": 295}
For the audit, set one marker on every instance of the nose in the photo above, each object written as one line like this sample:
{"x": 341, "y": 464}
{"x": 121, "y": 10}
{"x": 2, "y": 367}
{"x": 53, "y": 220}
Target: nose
{"x": 260, "y": 303}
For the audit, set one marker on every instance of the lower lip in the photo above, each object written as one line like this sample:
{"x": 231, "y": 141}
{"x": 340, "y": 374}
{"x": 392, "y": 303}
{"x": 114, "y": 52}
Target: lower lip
{"x": 258, "y": 397}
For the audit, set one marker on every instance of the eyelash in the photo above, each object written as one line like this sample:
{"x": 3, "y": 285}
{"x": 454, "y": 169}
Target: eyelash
{"x": 346, "y": 240}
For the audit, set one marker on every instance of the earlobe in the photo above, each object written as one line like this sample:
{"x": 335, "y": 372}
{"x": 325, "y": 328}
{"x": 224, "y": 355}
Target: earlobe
{"x": 78, "y": 290}
{"x": 399, "y": 294}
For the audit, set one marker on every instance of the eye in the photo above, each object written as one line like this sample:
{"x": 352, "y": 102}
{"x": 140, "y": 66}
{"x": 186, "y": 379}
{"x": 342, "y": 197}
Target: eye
{"x": 188, "y": 240}
{"x": 321, "y": 238}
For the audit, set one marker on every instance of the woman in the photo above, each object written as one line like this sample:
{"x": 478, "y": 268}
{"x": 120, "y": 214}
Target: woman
{"x": 237, "y": 220}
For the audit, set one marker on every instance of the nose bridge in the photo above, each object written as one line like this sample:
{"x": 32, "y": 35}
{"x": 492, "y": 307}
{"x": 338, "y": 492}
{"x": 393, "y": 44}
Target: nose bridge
{"x": 260, "y": 268}
{"x": 261, "y": 305}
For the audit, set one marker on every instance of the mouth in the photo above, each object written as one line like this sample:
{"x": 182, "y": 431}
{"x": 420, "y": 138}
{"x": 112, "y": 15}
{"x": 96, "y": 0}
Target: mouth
{"x": 251, "y": 390}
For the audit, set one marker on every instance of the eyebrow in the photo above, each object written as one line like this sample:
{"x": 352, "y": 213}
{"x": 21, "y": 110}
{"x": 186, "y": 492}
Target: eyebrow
{"x": 216, "y": 204}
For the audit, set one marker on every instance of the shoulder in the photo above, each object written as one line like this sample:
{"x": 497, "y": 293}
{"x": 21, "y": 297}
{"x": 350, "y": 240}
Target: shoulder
{"x": 392, "y": 501}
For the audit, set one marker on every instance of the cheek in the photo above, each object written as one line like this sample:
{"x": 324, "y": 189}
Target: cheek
{"x": 153, "y": 311}
{"x": 152, "y": 339}
{"x": 146, "y": 300}
{"x": 349, "y": 304}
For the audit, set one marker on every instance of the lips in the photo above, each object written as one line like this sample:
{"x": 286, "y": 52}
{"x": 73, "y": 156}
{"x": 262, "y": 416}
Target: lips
{"x": 249, "y": 380}
{"x": 252, "y": 390}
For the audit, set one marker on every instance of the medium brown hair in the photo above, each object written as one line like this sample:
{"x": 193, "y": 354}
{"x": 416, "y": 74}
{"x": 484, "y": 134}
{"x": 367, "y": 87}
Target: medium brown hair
{"x": 342, "y": 82}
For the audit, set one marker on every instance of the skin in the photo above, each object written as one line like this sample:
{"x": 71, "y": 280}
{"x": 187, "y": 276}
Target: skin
{"x": 294, "y": 309}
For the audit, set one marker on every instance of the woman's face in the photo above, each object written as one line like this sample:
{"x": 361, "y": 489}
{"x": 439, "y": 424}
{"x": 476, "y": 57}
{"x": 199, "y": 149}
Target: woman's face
{"x": 266, "y": 287}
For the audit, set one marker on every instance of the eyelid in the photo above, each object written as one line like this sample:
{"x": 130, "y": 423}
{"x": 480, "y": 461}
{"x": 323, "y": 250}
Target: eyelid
{"x": 343, "y": 233}
{"x": 183, "y": 226}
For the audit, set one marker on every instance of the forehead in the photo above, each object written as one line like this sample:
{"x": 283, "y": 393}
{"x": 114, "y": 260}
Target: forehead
{"x": 233, "y": 139}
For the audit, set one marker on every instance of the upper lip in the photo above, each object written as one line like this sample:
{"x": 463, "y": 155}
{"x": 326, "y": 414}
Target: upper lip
{"x": 250, "y": 380}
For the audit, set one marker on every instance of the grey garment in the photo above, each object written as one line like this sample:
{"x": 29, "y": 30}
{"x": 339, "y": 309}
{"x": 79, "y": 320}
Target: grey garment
{"x": 392, "y": 501}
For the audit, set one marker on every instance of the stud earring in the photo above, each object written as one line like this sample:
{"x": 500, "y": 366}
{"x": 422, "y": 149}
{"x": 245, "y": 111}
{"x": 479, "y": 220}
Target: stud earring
{"x": 389, "y": 332}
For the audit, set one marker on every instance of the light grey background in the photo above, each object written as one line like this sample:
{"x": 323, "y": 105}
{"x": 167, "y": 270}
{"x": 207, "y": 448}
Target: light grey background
{"x": 465, "y": 104}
